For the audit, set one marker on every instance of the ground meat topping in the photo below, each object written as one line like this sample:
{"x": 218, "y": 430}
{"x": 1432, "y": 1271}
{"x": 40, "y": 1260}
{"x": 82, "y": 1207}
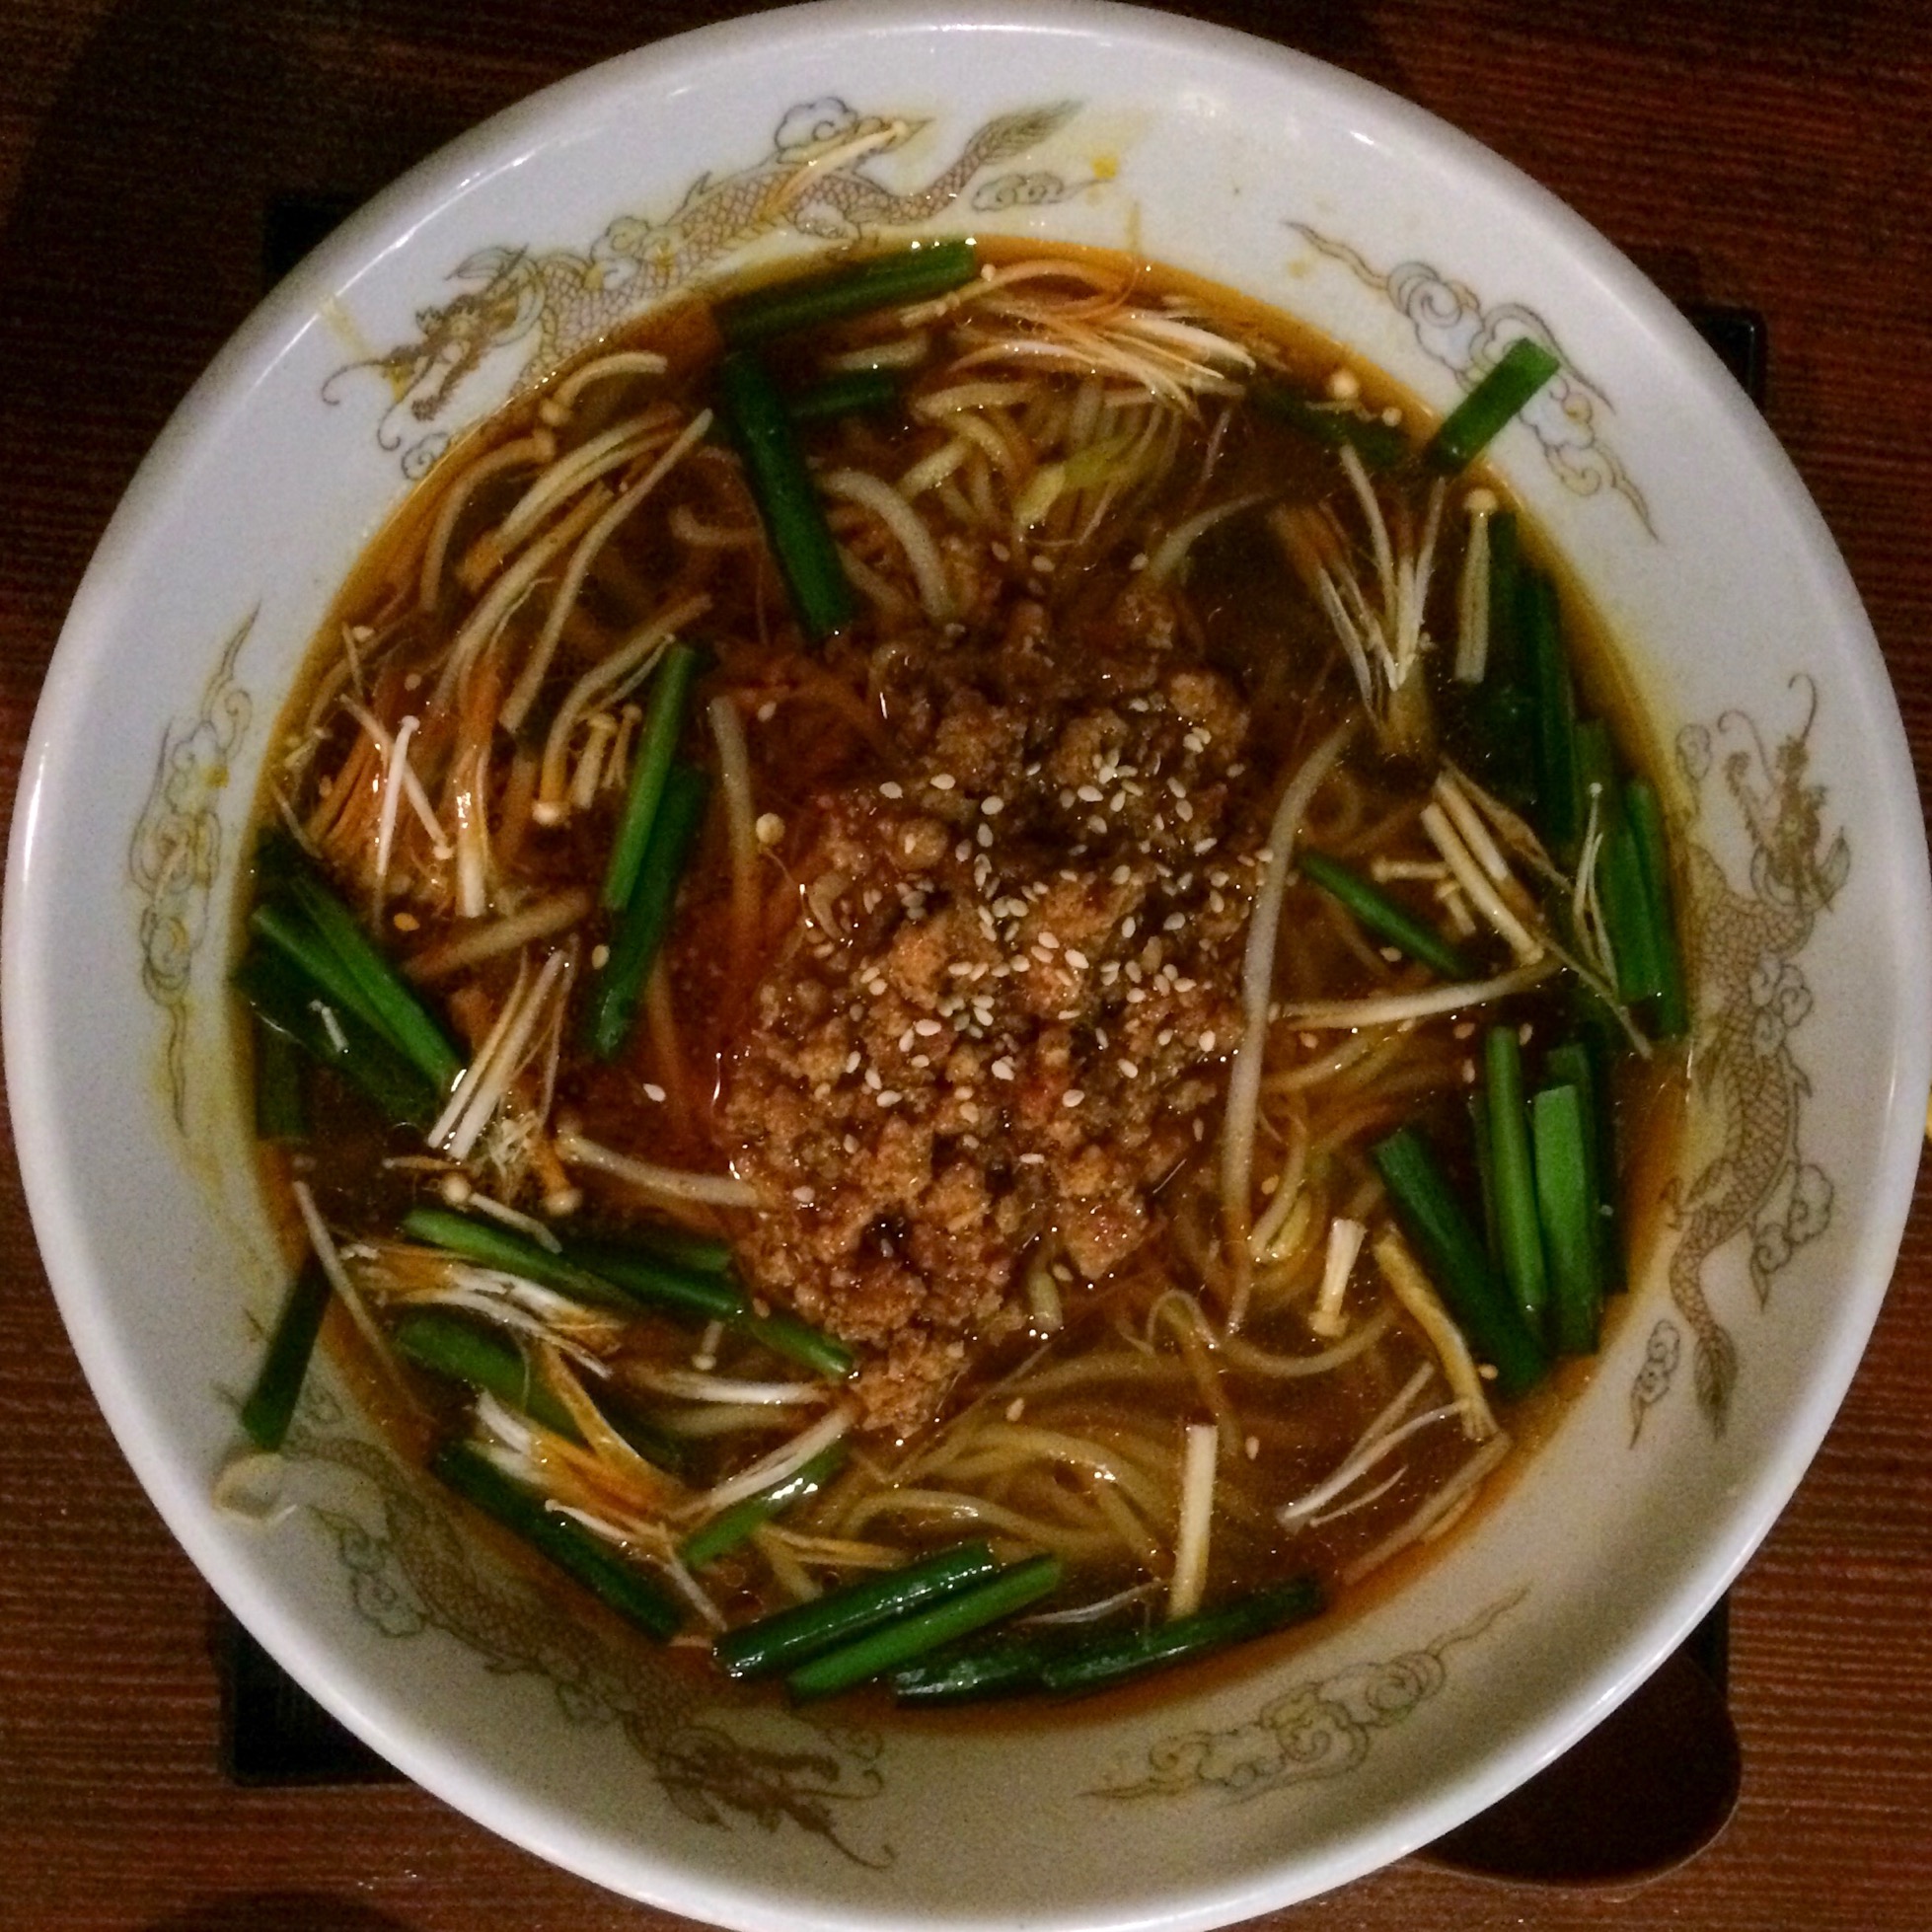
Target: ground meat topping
{"x": 999, "y": 1022}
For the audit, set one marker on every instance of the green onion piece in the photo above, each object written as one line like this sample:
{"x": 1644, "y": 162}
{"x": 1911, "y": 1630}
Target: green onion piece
{"x": 851, "y": 393}
{"x": 1520, "y": 1242}
{"x": 271, "y": 1404}
{"x": 787, "y": 497}
{"x": 1113, "y": 1659}
{"x": 679, "y": 1248}
{"x": 1469, "y": 428}
{"x": 286, "y": 1000}
{"x": 1376, "y": 911}
{"x": 503, "y": 1248}
{"x": 1380, "y": 445}
{"x": 799, "y": 1341}
{"x": 619, "y": 986}
{"x": 463, "y": 1351}
{"x": 1619, "y": 870}
{"x": 1485, "y": 1172}
{"x": 1502, "y": 710}
{"x": 1004, "y": 1666}
{"x": 568, "y": 1544}
{"x": 912, "y": 275}
{"x": 792, "y": 1637}
{"x": 1452, "y": 1251}
{"x": 655, "y": 1279}
{"x": 729, "y": 1527}
{"x": 670, "y": 695}
{"x": 1559, "y": 793}
{"x": 955, "y": 1616}
{"x": 1646, "y": 818}
{"x": 1569, "y": 1217}
{"x": 1575, "y": 1064}
{"x": 390, "y": 1004}
{"x": 280, "y": 1109}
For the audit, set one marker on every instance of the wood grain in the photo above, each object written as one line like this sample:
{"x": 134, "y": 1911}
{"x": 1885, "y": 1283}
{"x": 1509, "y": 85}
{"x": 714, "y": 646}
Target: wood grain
{"x": 1778, "y": 155}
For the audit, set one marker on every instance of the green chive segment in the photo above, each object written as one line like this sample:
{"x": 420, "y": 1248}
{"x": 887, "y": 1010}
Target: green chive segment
{"x": 1646, "y": 816}
{"x": 289, "y": 1003}
{"x": 792, "y": 1637}
{"x": 271, "y": 1404}
{"x": 566, "y": 1543}
{"x": 912, "y": 275}
{"x": 730, "y": 1527}
{"x": 459, "y": 1350}
{"x": 1453, "y": 1252}
{"x": 1113, "y": 1659}
{"x": 1519, "y": 1238}
{"x": 503, "y": 1248}
{"x": 851, "y": 393}
{"x": 1381, "y": 916}
{"x": 1568, "y": 1211}
{"x": 619, "y": 987}
{"x": 943, "y": 1622}
{"x": 787, "y": 497}
{"x": 663, "y": 724}
{"x": 1469, "y": 428}
{"x": 1379, "y": 444}
{"x": 652, "y": 1276}
{"x": 1559, "y": 788}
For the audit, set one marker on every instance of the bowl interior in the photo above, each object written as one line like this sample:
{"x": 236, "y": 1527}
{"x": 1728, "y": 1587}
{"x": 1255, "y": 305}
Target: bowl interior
{"x": 797, "y": 132}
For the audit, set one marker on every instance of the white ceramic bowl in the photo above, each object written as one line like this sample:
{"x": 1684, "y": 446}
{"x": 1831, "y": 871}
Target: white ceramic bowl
{"x": 1683, "y": 519}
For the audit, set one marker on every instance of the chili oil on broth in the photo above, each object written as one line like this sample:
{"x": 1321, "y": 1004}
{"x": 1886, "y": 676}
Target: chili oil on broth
{"x": 834, "y": 729}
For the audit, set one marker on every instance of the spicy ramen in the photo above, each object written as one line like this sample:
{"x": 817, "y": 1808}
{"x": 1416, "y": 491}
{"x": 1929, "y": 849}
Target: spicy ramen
{"x": 949, "y": 974}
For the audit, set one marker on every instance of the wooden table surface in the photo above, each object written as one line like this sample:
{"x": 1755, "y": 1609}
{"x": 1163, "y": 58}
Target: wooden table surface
{"x": 1777, "y": 154}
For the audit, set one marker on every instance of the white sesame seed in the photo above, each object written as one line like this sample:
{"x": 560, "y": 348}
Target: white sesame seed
{"x": 1076, "y": 960}
{"x": 653, "y": 1091}
{"x": 891, "y": 1097}
{"x": 803, "y": 1196}
{"x": 767, "y": 710}
{"x": 1172, "y": 923}
{"x": 599, "y": 956}
{"x": 1001, "y": 1068}
{"x": 892, "y": 788}
{"x": 906, "y": 1041}
{"x": 873, "y": 1080}
{"x": 1071, "y": 1097}
{"x": 1032, "y": 1160}
{"x": 769, "y": 828}
{"x": 1128, "y": 1070}
{"x": 1047, "y": 942}
{"x": 993, "y": 805}
{"x": 942, "y": 781}
{"x": 926, "y": 1029}
{"x": 1208, "y": 1041}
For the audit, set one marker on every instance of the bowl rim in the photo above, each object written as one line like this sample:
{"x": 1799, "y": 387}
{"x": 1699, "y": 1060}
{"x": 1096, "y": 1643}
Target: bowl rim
{"x": 384, "y": 225}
